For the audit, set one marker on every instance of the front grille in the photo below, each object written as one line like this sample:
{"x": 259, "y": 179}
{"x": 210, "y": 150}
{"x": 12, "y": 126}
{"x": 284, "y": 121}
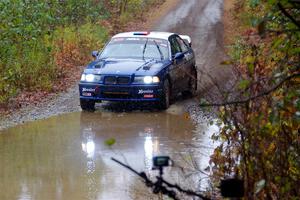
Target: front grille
{"x": 123, "y": 80}
{"x": 113, "y": 80}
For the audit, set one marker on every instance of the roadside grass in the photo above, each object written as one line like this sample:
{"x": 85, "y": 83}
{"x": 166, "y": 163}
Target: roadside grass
{"x": 33, "y": 36}
{"x": 72, "y": 45}
{"x": 39, "y": 64}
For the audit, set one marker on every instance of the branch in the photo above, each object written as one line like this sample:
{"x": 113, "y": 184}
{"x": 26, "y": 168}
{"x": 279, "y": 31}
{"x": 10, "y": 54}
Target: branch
{"x": 188, "y": 192}
{"x": 281, "y": 8}
{"x": 148, "y": 182}
{"x": 274, "y": 88}
{"x": 157, "y": 186}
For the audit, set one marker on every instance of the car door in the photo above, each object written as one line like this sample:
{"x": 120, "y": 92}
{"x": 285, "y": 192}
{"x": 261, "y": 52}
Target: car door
{"x": 176, "y": 74}
{"x": 189, "y": 62}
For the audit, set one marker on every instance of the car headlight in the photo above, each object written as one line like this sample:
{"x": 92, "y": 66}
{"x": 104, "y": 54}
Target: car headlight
{"x": 82, "y": 77}
{"x": 91, "y": 78}
{"x": 146, "y": 79}
{"x": 155, "y": 79}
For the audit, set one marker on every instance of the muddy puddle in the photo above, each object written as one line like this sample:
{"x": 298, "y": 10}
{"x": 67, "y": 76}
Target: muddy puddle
{"x": 65, "y": 157}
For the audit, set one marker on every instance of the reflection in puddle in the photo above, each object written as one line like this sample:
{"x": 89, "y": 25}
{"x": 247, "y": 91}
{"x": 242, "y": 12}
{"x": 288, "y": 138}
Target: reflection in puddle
{"x": 148, "y": 147}
{"x": 24, "y": 192}
{"x": 151, "y": 146}
{"x": 65, "y": 157}
{"x": 88, "y": 144}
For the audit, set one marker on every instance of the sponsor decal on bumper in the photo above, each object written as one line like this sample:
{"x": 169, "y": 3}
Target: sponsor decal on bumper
{"x": 88, "y": 92}
{"x": 125, "y": 93}
{"x": 145, "y": 91}
{"x": 148, "y": 96}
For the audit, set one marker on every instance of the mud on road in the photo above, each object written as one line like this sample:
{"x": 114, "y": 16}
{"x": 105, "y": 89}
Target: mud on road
{"x": 201, "y": 19}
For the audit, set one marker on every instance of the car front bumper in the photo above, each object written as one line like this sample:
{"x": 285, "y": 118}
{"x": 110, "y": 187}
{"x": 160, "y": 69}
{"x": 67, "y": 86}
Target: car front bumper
{"x": 101, "y": 92}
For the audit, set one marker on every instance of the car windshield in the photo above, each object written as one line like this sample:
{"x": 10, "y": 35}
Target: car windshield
{"x": 134, "y": 47}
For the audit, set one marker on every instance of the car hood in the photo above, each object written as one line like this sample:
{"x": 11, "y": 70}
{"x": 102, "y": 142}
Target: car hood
{"x": 125, "y": 67}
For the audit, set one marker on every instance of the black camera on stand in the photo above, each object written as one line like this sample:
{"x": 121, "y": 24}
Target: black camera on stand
{"x": 159, "y": 162}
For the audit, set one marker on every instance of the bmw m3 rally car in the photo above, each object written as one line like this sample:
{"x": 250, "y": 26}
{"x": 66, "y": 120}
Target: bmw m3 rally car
{"x": 140, "y": 67}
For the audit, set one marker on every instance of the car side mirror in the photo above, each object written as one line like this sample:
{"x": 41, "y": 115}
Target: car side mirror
{"x": 178, "y": 56}
{"x": 95, "y": 54}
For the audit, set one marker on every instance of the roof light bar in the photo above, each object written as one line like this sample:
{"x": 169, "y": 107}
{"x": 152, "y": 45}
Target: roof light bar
{"x": 141, "y": 33}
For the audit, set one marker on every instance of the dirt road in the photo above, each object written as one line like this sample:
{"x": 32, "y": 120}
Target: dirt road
{"x": 202, "y": 20}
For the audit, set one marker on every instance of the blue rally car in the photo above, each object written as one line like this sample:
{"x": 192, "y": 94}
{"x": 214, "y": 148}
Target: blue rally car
{"x": 140, "y": 67}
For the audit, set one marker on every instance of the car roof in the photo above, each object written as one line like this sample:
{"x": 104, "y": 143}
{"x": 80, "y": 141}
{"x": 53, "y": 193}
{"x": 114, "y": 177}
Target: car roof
{"x": 156, "y": 35}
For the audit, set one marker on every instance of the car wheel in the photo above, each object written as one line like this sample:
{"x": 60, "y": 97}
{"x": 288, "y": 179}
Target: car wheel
{"x": 165, "y": 99}
{"x": 193, "y": 83}
{"x": 87, "y": 105}
{"x": 192, "y": 88}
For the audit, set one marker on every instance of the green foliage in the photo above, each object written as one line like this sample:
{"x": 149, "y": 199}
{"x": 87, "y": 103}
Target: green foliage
{"x": 243, "y": 84}
{"x": 254, "y": 3}
{"x": 261, "y": 140}
{"x": 28, "y": 35}
{"x": 72, "y": 45}
{"x": 110, "y": 142}
{"x": 237, "y": 49}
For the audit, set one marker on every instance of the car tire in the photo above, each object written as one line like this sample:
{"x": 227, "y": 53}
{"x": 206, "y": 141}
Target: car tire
{"x": 192, "y": 90}
{"x": 87, "y": 105}
{"x": 165, "y": 98}
{"x": 193, "y": 83}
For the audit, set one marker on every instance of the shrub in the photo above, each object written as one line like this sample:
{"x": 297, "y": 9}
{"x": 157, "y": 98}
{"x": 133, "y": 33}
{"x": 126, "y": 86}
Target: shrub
{"x": 33, "y": 34}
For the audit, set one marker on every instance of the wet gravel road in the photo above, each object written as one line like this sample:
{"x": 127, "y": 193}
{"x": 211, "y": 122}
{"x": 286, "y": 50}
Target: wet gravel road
{"x": 202, "y": 20}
